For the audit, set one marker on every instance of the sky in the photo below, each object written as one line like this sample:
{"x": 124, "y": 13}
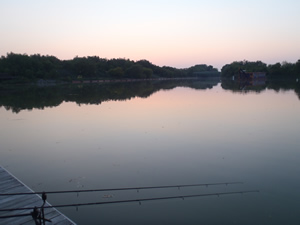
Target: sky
{"x": 177, "y": 33}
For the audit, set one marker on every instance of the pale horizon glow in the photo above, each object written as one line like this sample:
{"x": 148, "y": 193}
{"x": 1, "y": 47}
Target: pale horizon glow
{"x": 173, "y": 33}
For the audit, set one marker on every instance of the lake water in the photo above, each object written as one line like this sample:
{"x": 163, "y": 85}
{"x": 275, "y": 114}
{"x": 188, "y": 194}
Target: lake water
{"x": 159, "y": 133}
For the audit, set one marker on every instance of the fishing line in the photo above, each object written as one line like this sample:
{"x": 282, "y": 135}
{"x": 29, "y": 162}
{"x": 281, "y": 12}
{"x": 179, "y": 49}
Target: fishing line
{"x": 135, "y": 200}
{"x": 122, "y": 189}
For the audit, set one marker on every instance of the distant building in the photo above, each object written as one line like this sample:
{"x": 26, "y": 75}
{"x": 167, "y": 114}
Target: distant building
{"x": 251, "y": 75}
{"x": 247, "y": 79}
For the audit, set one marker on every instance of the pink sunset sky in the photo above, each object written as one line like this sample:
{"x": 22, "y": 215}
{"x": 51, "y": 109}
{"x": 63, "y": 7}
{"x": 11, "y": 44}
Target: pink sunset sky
{"x": 173, "y": 33}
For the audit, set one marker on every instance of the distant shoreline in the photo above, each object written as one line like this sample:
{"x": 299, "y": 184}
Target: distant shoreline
{"x": 47, "y": 70}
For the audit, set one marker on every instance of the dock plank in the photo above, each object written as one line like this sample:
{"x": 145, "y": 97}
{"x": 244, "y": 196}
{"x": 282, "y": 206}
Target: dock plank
{"x": 10, "y": 184}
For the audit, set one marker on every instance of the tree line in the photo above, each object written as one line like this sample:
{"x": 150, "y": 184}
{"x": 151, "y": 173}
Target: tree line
{"x": 28, "y": 68}
{"x": 25, "y": 67}
{"x": 278, "y": 70}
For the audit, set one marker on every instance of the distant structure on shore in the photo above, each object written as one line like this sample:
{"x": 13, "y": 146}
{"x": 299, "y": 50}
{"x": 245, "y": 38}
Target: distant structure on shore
{"x": 251, "y": 75}
{"x": 251, "y": 78}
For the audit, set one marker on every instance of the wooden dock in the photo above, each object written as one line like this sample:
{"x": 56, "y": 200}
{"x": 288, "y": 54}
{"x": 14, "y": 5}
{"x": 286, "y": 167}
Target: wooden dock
{"x": 10, "y": 184}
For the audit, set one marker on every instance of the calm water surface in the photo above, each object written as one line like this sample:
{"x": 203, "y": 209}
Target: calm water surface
{"x": 176, "y": 136}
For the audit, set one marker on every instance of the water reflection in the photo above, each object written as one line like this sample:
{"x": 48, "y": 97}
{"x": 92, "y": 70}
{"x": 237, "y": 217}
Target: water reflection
{"x": 17, "y": 98}
{"x": 259, "y": 85}
{"x": 208, "y": 132}
{"x": 244, "y": 86}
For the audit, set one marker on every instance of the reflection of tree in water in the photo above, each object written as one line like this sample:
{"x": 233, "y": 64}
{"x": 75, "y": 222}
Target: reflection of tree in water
{"x": 30, "y": 97}
{"x": 19, "y": 98}
{"x": 297, "y": 90}
{"x": 285, "y": 85}
{"x": 243, "y": 86}
{"x": 275, "y": 84}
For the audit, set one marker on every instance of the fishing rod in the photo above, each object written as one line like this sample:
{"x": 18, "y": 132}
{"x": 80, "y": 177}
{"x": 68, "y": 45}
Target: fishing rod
{"x": 123, "y": 189}
{"x": 130, "y": 200}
